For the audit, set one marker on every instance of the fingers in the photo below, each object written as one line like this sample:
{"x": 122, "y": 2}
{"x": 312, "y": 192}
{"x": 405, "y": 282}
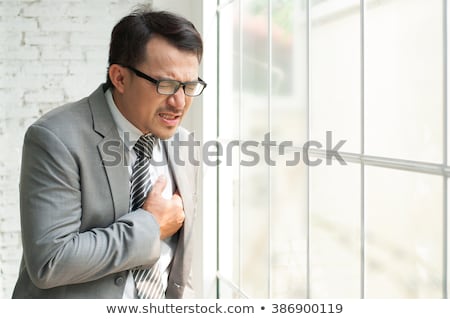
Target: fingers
{"x": 176, "y": 198}
{"x": 168, "y": 213}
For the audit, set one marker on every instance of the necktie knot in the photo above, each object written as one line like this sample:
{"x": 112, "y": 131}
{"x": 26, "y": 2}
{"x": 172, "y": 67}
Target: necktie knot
{"x": 144, "y": 146}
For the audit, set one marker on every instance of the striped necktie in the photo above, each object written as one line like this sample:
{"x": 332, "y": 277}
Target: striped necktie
{"x": 147, "y": 280}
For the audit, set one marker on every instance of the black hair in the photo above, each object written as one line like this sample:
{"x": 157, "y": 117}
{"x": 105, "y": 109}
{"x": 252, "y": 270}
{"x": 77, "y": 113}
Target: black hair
{"x": 131, "y": 34}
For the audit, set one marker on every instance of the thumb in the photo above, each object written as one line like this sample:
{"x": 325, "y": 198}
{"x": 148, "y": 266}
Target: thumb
{"x": 159, "y": 184}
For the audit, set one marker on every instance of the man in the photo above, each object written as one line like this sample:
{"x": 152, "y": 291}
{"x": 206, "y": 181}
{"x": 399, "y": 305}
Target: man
{"x": 84, "y": 233}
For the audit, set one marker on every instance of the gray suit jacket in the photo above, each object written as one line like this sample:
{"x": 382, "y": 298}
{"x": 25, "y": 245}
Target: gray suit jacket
{"x": 78, "y": 238}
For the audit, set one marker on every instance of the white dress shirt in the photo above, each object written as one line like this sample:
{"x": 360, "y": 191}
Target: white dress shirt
{"x": 129, "y": 135}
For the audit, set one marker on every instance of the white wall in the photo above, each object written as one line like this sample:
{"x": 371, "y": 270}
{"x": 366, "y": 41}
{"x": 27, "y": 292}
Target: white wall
{"x": 52, "y": 52}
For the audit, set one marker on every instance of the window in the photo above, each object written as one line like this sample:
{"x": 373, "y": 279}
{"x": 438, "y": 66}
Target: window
{"x": 369, "y": 74}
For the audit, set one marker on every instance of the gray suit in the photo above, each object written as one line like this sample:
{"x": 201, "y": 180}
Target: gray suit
{"x": 78, "y": 238}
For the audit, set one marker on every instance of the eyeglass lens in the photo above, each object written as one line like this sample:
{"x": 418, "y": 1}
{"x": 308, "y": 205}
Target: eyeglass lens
{"x": 171, "y": 87}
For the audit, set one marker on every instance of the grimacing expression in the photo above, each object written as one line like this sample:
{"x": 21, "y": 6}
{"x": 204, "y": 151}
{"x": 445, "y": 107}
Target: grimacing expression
{"x": 139, "y": 100}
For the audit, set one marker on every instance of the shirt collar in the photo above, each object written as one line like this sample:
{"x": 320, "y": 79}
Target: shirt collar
{"x": 127, "y": 131}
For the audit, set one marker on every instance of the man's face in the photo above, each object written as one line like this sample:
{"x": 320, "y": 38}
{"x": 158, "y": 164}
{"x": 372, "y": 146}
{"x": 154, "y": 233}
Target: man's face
{"x": 142, "y": 105}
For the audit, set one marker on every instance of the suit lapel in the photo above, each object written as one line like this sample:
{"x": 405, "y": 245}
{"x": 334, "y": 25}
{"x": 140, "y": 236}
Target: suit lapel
{"x": 112, "y": 152}
{"x": 183, "y": 254}
{"x": 117, "y": 173}
{"x": 180, "y": 176}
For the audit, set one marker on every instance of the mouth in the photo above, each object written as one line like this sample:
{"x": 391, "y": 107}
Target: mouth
{"x": 170, "y": 119}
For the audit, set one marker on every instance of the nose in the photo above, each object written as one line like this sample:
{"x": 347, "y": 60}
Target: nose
{"x": 178, "y": 99}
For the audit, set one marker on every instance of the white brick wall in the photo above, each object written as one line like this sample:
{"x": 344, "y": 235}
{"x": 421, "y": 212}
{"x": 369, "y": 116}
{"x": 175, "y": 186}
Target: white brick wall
{"x": 51, "y": 52}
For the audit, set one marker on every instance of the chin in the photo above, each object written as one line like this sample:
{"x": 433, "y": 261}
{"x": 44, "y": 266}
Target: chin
{"x": 166, "y": 134}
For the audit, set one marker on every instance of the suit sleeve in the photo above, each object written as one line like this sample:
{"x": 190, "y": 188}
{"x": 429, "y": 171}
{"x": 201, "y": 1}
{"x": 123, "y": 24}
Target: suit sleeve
{"x": 56, "y": 252}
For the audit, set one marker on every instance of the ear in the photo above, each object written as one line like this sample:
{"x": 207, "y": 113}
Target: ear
{"x": 117, "y": 74}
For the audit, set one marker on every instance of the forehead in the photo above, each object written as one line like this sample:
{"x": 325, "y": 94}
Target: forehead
{"x": 165, "y": 60}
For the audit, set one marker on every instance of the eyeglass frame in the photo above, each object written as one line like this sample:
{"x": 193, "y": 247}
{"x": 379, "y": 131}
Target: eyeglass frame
{"x": 156, "y": 82}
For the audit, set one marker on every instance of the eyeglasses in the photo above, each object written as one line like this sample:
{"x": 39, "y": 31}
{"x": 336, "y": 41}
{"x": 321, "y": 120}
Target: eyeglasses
{"x": 169, "y": 87}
